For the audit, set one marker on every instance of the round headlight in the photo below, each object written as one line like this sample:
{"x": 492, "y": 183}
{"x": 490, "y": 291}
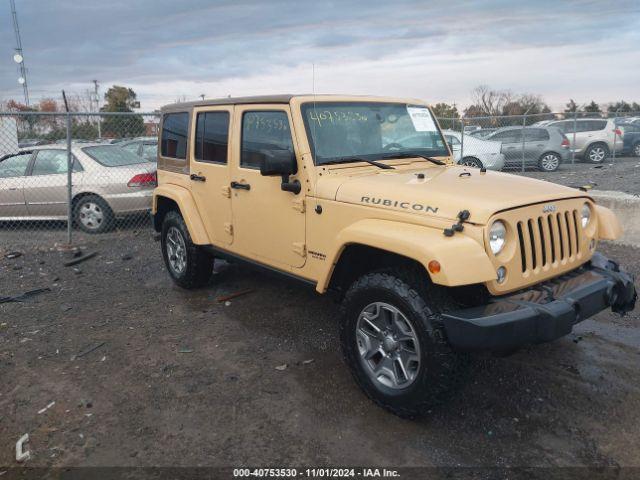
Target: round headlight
{"x": 497, "y": 237}
{"x": 586, "y": 215}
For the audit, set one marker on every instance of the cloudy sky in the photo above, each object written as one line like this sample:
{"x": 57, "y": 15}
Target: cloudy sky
{"x": 431, "y": 49}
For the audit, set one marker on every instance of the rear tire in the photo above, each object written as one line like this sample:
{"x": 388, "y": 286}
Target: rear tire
{"x": 549, "y": 162}
{"x": 189, "y": 265}
{"x": 471, "y": 162}
{"x": 395, "y": 345}
{"x": 596, "y": 153}
{"x": 92, "y": 214}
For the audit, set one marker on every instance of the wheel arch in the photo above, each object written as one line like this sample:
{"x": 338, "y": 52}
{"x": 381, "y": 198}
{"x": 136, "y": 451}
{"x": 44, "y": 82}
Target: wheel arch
{"x": 173, "y": 197}
{"x": 80, "y": 195}
{"x": 384, "y": 240}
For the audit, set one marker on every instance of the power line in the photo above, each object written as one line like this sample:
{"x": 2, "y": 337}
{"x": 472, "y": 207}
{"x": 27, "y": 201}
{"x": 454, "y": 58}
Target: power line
{"x": 19, "y": 56}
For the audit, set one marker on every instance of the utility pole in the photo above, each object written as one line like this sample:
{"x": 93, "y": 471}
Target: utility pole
{"x": 97, "y": 99}
{"x": 18, "y": 57}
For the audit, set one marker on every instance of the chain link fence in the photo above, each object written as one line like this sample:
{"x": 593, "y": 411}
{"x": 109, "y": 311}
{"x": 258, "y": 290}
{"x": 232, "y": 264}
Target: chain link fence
{"x": 65, "y": 178}
{"x": 70, "y": 176}
{"x": 546, "y": 142}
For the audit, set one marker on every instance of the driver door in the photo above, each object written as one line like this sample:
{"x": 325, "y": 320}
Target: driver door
{"x": 268, "y": 223}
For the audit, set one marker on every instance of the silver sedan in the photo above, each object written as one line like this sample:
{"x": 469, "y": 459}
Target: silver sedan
{"x": 107, "y": 182}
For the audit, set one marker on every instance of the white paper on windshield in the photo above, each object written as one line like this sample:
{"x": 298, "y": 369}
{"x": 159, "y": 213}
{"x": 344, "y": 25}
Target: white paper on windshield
{"x": 422, "y": 119}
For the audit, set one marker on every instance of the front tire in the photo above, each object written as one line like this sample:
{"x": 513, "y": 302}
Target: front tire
{"x": 636, "y": 150}
{"x": 395, "y": 345}
{"x": 189, "y": 265}
{"x": 549, "y": 162}
{"x": 597, "y": 153}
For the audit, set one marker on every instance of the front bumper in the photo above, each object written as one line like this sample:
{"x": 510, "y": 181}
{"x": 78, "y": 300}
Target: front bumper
{"x": 545, "y": 312}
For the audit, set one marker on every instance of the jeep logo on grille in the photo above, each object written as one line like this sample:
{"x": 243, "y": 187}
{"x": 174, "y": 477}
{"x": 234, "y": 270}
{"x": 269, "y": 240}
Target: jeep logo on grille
{"x": 549, "y": 209}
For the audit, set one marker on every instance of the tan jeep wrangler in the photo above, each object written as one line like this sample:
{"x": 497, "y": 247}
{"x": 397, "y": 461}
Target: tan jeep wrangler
{"x": 359, "y": 195}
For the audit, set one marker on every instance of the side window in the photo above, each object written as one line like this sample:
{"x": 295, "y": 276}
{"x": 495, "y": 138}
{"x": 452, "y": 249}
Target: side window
{"x": 132, "y": 147}
{"x": 564, "y": 127}
{"x": 536, "y": 135}
{"x": 582, "y": 126}
{"x": 262, "y": 131}
{"x": 15, "y": 166}
{"x": 150, "y": 150}
{"x": 453, "y": 141}
{"x": 52, "y": 162}
{"x": 212, "y": 137}
{"x": 594, "y": 125}
{"x": 174, "y": 135}
{"x": 508, "y": 136}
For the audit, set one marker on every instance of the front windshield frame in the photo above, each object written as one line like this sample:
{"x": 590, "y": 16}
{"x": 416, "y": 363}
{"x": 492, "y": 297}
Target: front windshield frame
{"x": 326, "y": 105}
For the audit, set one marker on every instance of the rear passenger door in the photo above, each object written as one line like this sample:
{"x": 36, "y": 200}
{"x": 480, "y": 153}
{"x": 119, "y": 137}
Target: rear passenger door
{"x": 209, "y": 164}
{"x": 535, "y": 143}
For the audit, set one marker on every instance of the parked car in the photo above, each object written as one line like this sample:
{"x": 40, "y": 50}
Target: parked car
{"x": 595, "y": 138}
{"x": 31, "y": 142}
{"x": 107, "y": 180}
{"x": 544, "y": 147}
{"x": 146, "y": 147}
{"x": 630, "y": 138}
{"x": 482, "y": 133}
{"x": 471, "y": 128}
{"x": 477, "y": 152}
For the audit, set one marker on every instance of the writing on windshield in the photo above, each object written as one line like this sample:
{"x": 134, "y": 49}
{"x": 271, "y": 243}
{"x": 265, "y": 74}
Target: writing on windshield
{"x": 370, "y": 130}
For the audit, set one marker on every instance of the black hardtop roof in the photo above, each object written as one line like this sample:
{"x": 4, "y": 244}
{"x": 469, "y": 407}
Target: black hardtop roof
{"x": 183, "y": 106}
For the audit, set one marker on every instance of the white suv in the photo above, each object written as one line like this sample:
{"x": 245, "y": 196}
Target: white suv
{"x": 595, "y": 138}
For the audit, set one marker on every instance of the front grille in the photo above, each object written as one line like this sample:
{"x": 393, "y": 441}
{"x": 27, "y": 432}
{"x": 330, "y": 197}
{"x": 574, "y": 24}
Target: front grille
{"x": 549, "y": 240}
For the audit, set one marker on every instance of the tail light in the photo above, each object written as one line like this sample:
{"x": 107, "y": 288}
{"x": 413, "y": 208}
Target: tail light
{"x": 565, "y": 142}
{"x": 144, "y": 180}
{"x": 618, "y": 131}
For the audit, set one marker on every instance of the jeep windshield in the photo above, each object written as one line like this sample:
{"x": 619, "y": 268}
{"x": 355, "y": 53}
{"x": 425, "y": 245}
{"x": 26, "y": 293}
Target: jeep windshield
{"x": 344, "y": 132}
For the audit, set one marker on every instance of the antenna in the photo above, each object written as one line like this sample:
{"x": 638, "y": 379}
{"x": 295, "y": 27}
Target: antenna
{"x": 18, "y": 57}
{"x": 313, "y": 130}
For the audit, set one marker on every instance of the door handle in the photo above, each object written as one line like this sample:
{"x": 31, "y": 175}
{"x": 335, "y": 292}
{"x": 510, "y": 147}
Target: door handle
{"x": 197, "y": 178}
{"x": 241, "y": 186}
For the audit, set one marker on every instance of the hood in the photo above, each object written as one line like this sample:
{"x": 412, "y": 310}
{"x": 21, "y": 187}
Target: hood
{"x": 443, "y": 192}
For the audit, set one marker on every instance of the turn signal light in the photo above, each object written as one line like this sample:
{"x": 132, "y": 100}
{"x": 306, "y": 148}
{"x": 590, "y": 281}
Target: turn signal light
{"x": 434, "y": 266}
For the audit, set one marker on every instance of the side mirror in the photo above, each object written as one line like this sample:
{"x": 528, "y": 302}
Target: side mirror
{"x": 277, "y": 162}
{"x": 283, "y": 163}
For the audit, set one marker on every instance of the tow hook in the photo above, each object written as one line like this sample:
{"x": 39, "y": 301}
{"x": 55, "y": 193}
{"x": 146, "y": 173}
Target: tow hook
{"x": 463, "y": 216}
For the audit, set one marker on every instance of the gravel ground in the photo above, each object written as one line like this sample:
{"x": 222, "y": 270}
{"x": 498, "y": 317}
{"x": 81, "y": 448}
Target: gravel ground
{"x": 623, "y": 175}
{"x": 143, "y": 373}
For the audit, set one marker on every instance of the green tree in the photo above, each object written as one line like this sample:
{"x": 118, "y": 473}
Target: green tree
{"x": 593, "y": 107}
{"x": 446, "y": 114}
{"x": 572, "y": 106}
{"x": 621, "y": 106}
{"x": 121, "y": 99}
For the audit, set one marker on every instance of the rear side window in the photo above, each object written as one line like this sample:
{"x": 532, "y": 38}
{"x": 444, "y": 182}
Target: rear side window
{"x": 263, "y": 131}
{"x": 536, "y": 135}
{"x": 593, "y": 125}
{"x": 508, "y": 136}
{"x": 212, "y": 137}
{"x": 15, "y": 166}
{"x": 52, "y": 162}
{"x": 113, "y": 156}
{"x": 174, "y": 135}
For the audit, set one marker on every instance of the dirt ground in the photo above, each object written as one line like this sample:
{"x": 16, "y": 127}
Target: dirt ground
{"x": 143, "y": 373}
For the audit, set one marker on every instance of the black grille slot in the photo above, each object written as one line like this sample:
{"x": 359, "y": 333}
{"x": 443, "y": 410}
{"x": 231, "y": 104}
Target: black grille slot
{"x": 568, "y": 224}
{"x": 575, "y": 225}
{"x": 543, "y": 246}
{"x": 523, "y": 250}
{"x": 553, "y": 240}
{"x": 534, "y": 262}
{"x": 561, "y": 239}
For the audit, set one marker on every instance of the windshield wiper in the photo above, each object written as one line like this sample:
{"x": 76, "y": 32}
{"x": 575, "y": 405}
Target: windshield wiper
{"x": 411, "y": 155}
{"x": 359, "y": 159}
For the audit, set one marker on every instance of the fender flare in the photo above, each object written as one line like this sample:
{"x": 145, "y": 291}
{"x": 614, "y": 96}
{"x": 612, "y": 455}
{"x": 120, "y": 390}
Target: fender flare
{"x": 609, "y": 227}
{"x": 188, "y": 210}
{"x": 463, "y": 260}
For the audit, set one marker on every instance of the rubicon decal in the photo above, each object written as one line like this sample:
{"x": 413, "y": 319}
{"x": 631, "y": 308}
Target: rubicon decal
{"x": 385, "y": 202}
